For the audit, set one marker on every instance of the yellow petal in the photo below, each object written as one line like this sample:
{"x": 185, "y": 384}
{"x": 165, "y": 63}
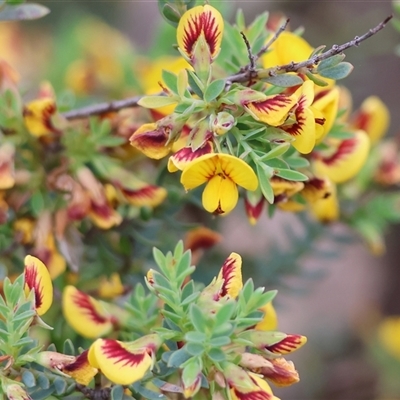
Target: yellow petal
{"x": 326, "y": 208}
{"x": 37, "y": 277}
{"x": 199, "y": 21}
{"x": 84, "y": 314}
{"x": 372, "y": 117}
{"x": 270, "y": 319}
{"x": 118, "y": 363}
{"x": 220, "y": 195}
{"x": 151, "y": 141}
{"x": 288, "y": 345}
{"x": 186, "y": 155}
{"x": 111, "y": 287}
{"x": 287, "y": 48}
{"x": 37, "y": 116}
{"x": 389, "y": 334}
{"x": 80, "y": 369}
{"x": 272, "y": 111}
{"x": 238, "y": 171}
{"x": 199, "y": 171}
{"x": 149, "y": 195}
{"x": 231, "y": 273}
{"x": 348, "y": 158}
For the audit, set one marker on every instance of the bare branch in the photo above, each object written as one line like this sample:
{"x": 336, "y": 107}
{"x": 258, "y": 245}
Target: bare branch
{"x": 245, "y": 75}
{"x": 252, "y": 65}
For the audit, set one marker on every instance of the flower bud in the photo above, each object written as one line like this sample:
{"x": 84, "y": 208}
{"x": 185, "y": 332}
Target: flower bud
{"x": 223, "y": 122}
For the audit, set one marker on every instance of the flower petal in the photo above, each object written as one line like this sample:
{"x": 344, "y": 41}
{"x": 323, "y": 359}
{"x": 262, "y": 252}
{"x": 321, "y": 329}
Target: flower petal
{"x": 348, "y": 158}
{"x": 184, "y": 156}
{"x": 326, "y": 208}
{"x": 231, "y": 273}
{"x": 238, "y": 171}
{"x": 37, "y": 116}
{"x": 220, "y": 196}
{"x": 373, "y": 118}
{"x": 199, "y": 171}
{"x": 200, "y": 20}
{"x": 151, "y": 141}
{"x": 84, "y": 314}
{"x": 118, "y": 363}
{"x": 289, "y": 344}
{"x": 149, "y": 195}
{"x": 273, "y": 110}
{"x": 270, "y": 319}
{"x": 327, "y": 102}
{"x": 37, "y": 277}
{"x": 80, "y": 369}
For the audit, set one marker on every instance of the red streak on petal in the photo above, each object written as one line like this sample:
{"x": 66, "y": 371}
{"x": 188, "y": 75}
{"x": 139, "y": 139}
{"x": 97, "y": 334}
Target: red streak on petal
{"x": 112, "y": 349}
{"x": 272, "y": 104}
{"x": 287, "y": 345}
{"x": 33, "y": 281}
{"x": 143, "y": 193}
{"x": 258, "y": 395}
{"x": 204, "y": 23}
{"x": 346, "y": 147}
{"x": 79, "y": 363}
{"x": 186, "y": 153}
{"x": 254, "y": 211}
{"x": 362, "y": 121}
{"x": 228, "y": 273}
{"x": 82, "y": 300}
{"x": 296, "y": 128}
{"x": 103, "y": 210}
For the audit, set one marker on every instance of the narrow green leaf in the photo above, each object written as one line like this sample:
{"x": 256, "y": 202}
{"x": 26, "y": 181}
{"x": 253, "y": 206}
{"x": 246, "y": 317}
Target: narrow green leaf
{"x": 220, "y": 341}
{"x": 171, "y": 15}
{"x": 276, "y": 151}
{"x": 60, "y": 385}
{"x": 69, "y": 348}
{"x": 225, "y": 313}
{"x": 156, "y": 101}
{"x": 264, "y": 173}
{"x": 177, "y": 358}
{"x": 331, "y": 61}
{"x": 291, "y": 175}
{"x": 297, "y": 162}
{"x": 170, "y": 80}
{"x": 318, "y": 81}
{"x": 146, "y": 393}
{"x": 195, "y": 83}
{"x": 197, "y": 318}
{"x": 337, "y": 72}
{"x": 284, "y": 80}
{"x": 214, "y": 89}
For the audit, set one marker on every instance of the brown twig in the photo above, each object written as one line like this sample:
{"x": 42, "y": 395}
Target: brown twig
{"x": 252, "y": 58}
{"x": 241, "y": 77}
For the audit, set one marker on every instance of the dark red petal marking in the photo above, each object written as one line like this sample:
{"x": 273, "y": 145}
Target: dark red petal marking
{"x": 103, "y": 210}
{"x": 202, "y": 23}
{"x": 80, "y": 362}
{"x": 346, "y": 147}
{"x": 146, "y": 192}
{"x": 362, "y": 120}
{"x": 296, "y": 128}
{"x": 287, "y": 345}
{"x": 273, "y": 104}
{"x": 112, "y": 349}
{"x": 187, "y": 154}
{"x": 258, "y": 395}
{"x": 228, "y": 273}
{"x": 82, "y": 300}
{"x": 33, "y": 281}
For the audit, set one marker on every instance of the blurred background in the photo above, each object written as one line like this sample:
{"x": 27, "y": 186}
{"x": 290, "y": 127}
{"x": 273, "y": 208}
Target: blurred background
{"x": 336, "y": 302}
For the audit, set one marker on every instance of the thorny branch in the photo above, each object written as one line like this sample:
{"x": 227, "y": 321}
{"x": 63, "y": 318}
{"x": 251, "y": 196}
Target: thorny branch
{"x": 246, "y": 75}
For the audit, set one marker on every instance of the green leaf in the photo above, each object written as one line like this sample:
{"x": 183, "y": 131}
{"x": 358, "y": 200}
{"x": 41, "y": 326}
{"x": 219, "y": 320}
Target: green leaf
{"x": 276, "y": 151}
{"x": 291, "y": 175}
{"x": 156, "y": 101}
{"x": 37, "y": 203}
{"x": 331, "y": 61}
{"x": 297, "y": 162}
{"x": 28, "y": 379}
{"x": 216, "y": 354}
{"x": 170, "y": 80}
{"x": 195, "y": 336}
{"x": 146, "y": 393}
{"x": 117, "y": 393}
{"x": 69, "y": 348}
{"x": 337, "y": 72}
{"x": 225, "y": 313}
{"x": 257, "y": 28}
{"x": 264, "y": 173}
{"x": 60, "y": 385}
{"x": 214, "y": 89}
{"x": 43, "y": 381}
{"x": 22, "y": 12}
{"x": 284, "y": 80}
{"x": 194, "y": 349}
{"x": 177, "y": 358}
{"x": 197, "y": 318}
{"x": 159, "y": 258}
{"x": 195, "y": 83}
{"x": 318, "y": 81}
{"x": 220, "y": 341}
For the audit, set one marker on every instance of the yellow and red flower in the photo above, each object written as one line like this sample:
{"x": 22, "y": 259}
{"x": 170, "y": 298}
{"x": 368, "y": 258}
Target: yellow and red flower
{"x": 222, "y": 173}
{"x": 124, "y": 362}
{"x": 37, "y": 278}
